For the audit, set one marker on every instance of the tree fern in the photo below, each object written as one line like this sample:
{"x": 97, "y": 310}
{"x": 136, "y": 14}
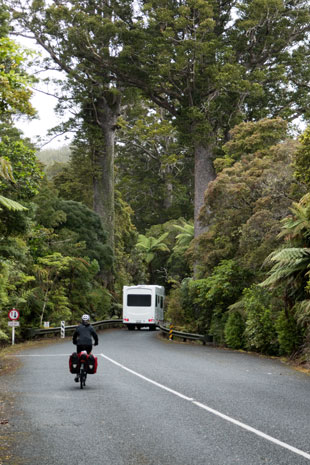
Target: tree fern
{"x": 150, "y": 245}
{"x": 291, "y": 263}
{"x": 11, "y": 204}
{"x": 185, "y": 237}
{"x": 6, "y": 173}
{"x": 303, "y": 312}
{"x": 297, "y": 226}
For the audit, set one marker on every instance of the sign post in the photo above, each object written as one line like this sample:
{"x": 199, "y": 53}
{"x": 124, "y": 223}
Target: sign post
{"x": 13, "y": 316}
{"x": 62, "y": 329}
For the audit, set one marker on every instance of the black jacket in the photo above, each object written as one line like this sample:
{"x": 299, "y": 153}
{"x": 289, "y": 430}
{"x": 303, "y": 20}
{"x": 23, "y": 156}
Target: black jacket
{"x": 83, "y": 335}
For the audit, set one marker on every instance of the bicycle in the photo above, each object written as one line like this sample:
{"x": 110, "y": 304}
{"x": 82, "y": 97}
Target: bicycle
{"x": 82, "y": 364}
{"x": 82, "y": 375}
{"x": 83, "y": 369}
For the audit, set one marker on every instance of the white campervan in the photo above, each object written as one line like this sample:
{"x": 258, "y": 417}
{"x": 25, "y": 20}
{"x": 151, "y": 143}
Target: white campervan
{"x": 143, "y": 305}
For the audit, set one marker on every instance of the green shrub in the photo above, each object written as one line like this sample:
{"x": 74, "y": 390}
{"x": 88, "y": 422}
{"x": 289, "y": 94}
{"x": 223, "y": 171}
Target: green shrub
{"x": 289, "y": 335}
{"x": 234, "y": 331}
{"x": 208, "y": 299}
{"x": 260, "y": 330}
{"x": 217, "y": 326}
{"x": 3, "y": 337}
{"x": 175, "y": 312}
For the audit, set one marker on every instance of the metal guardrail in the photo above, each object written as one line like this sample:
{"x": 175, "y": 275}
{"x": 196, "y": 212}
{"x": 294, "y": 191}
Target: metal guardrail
{"x": 204, "y": 338}
{"x": 31, "y": 333}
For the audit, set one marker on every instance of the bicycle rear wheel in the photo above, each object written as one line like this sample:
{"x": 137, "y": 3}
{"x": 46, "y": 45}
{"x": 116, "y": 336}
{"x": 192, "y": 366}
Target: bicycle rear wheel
{"x": 82, "y": 376}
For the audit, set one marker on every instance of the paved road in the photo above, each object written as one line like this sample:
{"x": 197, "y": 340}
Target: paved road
{"x": 158, "y": 403}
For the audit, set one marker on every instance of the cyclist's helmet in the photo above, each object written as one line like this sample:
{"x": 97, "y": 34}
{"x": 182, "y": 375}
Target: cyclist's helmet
{"x": 85, "y": 319}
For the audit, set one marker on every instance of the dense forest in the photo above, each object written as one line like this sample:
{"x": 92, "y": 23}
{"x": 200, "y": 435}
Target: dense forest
{"x": 188, "y": 167}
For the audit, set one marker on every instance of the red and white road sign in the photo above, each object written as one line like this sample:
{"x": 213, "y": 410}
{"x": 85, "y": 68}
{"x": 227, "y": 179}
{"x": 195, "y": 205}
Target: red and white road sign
{"x": 13, "y": 314}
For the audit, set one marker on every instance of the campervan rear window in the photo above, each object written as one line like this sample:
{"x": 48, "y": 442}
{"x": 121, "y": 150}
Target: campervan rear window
{"x": 139, "y": 300}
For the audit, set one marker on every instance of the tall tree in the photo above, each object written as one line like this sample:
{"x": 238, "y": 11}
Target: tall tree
{"x": 210, "y": 64}
{"x": 154, "y": 172}
{"x": 19, "y": 172}
{"x": 75, "y": 34}
{"x": 214, "y": 64}
{"x": 245, "y": 203}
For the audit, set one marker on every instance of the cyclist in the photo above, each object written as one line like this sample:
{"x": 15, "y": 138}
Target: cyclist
{"x": 83, "y": 336}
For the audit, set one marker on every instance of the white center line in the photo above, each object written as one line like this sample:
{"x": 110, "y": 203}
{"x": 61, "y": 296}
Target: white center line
{"x": 214, "y": 412}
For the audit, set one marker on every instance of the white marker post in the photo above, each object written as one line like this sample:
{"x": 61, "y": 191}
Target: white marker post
{"x": 13, "y": 316}
{"x": 62, "y": 329}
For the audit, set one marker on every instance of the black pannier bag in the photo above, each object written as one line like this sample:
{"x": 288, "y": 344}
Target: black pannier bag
{"x": 74, "y": 363}
{"x": 92, "y": 363}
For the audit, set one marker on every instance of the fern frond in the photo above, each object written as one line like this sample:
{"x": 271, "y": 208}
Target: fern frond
{"x": 289, "y": 254}
{"x": 303, "y": 312}
{"x": 11, "y": 204}
{"x": 6, "y": 171}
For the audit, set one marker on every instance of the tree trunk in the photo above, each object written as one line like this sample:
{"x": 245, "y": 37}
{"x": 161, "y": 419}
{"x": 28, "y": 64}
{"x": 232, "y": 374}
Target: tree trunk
{"x": 43, "y": 308}
{"x": 103, "y": 164}
{"x": 204, "y": 174}
{"x": 168, "y": 195}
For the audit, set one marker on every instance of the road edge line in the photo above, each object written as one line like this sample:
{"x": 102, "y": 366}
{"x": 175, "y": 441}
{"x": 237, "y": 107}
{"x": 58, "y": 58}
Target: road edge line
{"x": 213, "y": 411}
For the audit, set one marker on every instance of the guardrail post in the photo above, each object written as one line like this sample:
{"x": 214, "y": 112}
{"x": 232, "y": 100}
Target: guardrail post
{"x": 171, "y": 333}
{"x": 62, "y": 329}
{"x": 207, "y": 339}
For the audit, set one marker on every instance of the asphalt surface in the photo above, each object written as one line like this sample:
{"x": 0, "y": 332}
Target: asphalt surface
{"x": 153, "y": 402}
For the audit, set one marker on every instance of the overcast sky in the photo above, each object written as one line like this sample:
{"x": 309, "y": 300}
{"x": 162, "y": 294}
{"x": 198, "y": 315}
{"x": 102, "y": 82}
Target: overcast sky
{"x": 45, "y": 121}
{"x": 44, "y": 104}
